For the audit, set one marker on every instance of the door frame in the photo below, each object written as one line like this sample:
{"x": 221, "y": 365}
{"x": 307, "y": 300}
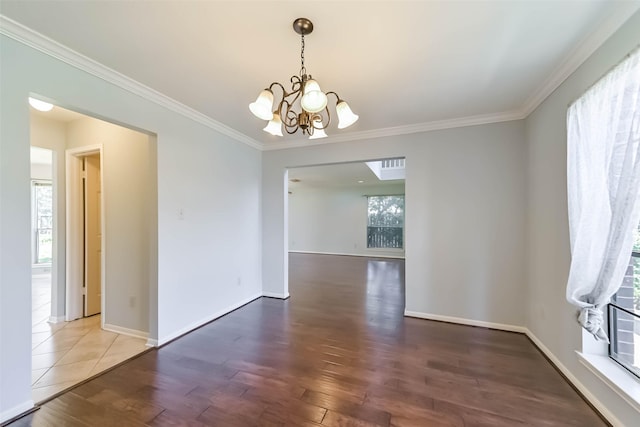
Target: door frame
{"x": 74, "y": 306}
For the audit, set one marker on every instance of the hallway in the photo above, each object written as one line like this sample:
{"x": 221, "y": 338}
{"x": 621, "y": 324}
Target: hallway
{"x": 338, "y": 352}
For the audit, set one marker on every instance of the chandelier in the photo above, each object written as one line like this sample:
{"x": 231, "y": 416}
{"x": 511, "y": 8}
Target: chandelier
{"x": 305, "y": 106}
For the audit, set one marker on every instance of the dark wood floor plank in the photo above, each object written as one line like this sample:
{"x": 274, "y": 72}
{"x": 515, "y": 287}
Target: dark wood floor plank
{"x": 339, "y": 352}
{"x": 351, "y": 409}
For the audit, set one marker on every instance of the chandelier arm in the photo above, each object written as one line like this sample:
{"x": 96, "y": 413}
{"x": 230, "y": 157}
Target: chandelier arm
{"x": 297, "y": 83}
{"x": 338, "y": 99}
{"x": 289, "y": 119}
{"x": 290, "y": 103}
{"x": 281, "y": 87}
{"x": 296, "y": 86}
{"x": 316, "y": 116}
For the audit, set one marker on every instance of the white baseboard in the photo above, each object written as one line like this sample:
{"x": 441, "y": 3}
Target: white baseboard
{"x": 275, "y": 295}
{"x": 56, "y": 319}
{"x": 463, "y": 321}
{"x": 195, "y": 325}
{"x": 152, "y": 343}
{"x": 372, "y": 255}
{"x": 572, "y": 378}
{"x": 15, "y": 411}
{"x": 125, "y": 331}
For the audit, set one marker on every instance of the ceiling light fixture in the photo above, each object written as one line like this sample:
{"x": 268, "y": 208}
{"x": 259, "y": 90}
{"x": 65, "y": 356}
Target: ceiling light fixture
{"x": 40, "y": 105}
{"x": 314, "y": 116}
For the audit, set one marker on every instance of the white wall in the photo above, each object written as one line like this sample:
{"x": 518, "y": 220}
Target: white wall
{"x": 465, "y": 217}
{"x": 334, "y": 219}
{"x": 550, "y": 317}
{"x": 41, "y": 171}
{"x": 213, "y": 179}
{"x": 129, "y": 201}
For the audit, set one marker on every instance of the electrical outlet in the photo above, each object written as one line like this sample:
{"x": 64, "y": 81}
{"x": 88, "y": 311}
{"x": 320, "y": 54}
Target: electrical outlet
{"x": 132, "y": 302}
{"x": 239, "y": 282}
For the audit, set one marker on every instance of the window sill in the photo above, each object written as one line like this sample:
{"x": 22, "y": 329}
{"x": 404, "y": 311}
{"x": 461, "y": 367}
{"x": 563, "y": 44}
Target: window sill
{"x": 613, "y": 375}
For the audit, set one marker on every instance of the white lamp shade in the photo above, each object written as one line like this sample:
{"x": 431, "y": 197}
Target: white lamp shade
{"x": 274, "y": 127}
{"x": 318, "y": 133}
{"x": 345, "y": 116}
{"x": 40, "y": 105}
{"x": 313, "y": 100}
{"x": 263, "y": 106}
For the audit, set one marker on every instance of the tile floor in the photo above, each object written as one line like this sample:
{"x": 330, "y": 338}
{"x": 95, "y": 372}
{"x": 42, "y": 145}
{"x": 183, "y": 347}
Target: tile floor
{"x": 67, "y": 353}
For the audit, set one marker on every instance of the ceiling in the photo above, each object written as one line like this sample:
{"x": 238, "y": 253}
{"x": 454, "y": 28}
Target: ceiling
{"x": 58, "y": 114}
{"x": 402, "y": 66}
{"x": 336, "y": 175}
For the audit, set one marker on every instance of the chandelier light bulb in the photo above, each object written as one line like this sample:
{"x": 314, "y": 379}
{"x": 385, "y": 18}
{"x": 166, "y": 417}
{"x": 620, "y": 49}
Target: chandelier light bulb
{"x": 317, "y": 131}
{"x": 346, "y": 117}
{"x": 263, "y": 106}
{"x": 274, "y": 127}
{"x": 313, "y": 100}
{"x": 40, "y": 105}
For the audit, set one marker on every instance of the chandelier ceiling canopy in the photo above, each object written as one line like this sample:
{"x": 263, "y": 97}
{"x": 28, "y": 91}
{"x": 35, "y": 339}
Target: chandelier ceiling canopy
{"x": 305, "y": 106}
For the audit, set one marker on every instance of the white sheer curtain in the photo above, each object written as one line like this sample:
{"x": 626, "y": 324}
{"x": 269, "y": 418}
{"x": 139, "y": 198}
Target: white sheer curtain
{"x": 603, "y": 179}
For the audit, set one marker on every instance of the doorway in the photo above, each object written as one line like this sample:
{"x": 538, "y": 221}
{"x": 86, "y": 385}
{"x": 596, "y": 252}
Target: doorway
{"x": 78, "y": 340}
{"x": 353, "y": 209}
{"x": 85, "y": 243}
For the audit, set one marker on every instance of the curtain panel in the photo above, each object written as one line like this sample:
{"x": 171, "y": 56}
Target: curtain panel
{"x": 603, "y": 185}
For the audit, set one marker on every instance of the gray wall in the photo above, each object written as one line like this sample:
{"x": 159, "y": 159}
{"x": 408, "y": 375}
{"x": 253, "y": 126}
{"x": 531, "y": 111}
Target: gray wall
{"x": 550, "y": 317}
{"x": 209, "y": 261}
{"x": 465, "y": 217}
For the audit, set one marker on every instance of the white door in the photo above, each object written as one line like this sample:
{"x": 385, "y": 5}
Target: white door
{"x": 92, "y": 235}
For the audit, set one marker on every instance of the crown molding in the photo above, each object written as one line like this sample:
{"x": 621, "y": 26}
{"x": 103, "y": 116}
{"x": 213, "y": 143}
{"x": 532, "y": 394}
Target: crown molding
{"x": 44, "y": 44}
{"x": 608, "y": 26}
{"x": 482, "y": 119}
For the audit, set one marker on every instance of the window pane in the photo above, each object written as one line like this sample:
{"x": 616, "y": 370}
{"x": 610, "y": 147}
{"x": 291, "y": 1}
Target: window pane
{"x": 385, "y": 222}
{"x": 625, "y": 338}
{"x": 636, "y": 239}
{"x": 43, "y": 196}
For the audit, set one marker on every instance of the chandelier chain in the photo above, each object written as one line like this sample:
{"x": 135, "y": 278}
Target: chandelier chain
{"x": 303, "y": 69}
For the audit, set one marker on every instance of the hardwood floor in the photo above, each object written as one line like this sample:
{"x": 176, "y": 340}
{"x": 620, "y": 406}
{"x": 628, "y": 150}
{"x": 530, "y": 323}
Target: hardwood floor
{"x": 338, "y": 353}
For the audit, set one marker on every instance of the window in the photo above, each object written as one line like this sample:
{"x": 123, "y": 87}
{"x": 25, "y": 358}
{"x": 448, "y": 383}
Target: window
{"x": 624, "y": 315}
{"x": 42, "y": 198}
{"x": 385, "y": 225}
